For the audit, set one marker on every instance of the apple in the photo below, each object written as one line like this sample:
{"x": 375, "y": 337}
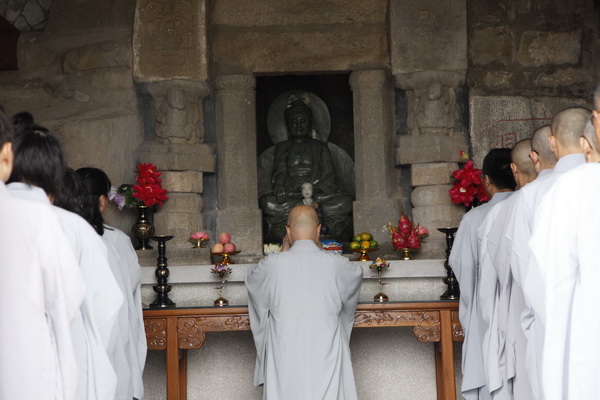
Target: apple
{"x": 217, "y": 248}
{"x": 224, "y": 237}
{"x": 229, "y": 247}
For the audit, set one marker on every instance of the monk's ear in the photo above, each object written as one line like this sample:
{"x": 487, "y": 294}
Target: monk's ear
{"x": 585, "y": 148}
{"x": 515, "y": 171}
{"x": 318, "y": 232}
{"x": 552, "y": 140}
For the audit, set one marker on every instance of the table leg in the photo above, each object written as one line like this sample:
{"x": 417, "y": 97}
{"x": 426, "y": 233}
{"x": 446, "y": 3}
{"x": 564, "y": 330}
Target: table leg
{"x": 444, "y": 359}
{"x": 183, "y": 375}
{"x": 173, "y": 373}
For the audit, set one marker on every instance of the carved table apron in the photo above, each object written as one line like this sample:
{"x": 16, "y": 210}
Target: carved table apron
{"x": 184, "y": 328}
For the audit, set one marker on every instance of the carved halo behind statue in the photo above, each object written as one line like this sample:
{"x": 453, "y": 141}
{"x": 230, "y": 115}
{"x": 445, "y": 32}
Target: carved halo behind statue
{"x": 337, "y": 190}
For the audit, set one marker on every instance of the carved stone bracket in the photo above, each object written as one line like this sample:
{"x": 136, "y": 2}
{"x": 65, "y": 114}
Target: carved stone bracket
{"x": 457, "y": 332}
{"x": 156, "y": 333}
{"x": 192, "y": 331}
{"x": 426, "y": 324}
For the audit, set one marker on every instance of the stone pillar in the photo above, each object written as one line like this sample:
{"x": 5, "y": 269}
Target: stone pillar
{"x": 170, "y": 57}
{"x": 238, "y": 211}
{"x": 181, "y": 156}
{"x": 375, "y": 204}
{"x": 429, "y": 61}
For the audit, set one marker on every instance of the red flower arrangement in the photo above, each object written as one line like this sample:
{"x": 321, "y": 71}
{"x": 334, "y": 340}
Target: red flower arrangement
{"x": 148, "y": 191}
{"x": 406, "y": 234}
{"x": 468, "y": 189}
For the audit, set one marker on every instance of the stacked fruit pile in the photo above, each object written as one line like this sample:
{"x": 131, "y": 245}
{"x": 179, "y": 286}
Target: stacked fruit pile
{"x": 363, "y": 241}
{"x": 224, "y": 245}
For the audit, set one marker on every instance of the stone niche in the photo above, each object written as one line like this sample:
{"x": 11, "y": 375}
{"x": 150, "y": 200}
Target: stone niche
{"x": 332, "y": 122}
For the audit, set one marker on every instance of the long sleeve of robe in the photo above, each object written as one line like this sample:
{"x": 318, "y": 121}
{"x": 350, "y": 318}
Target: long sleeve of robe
{"x": 302, "y": 304}
{"x": 129, "y": 274}
{"x": 490, "y": 293}
{"x": 464, "y": 260}
{"x": 97, "y": 320}
{"x": 42, "y": 290}
{"x": 565, "y": 241}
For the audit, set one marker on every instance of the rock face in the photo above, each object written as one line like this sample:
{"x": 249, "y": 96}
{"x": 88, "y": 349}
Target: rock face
{"x": 173, "y": 83}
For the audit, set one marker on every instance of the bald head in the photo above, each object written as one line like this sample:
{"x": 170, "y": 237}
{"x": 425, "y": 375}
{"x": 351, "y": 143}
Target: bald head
{"x": 589, "y": 143}
{"x": 303, "y": 224}
{"x": 542, "y": 155}
{"x": 567, "y": 128}
{"x": 521, "y": 165}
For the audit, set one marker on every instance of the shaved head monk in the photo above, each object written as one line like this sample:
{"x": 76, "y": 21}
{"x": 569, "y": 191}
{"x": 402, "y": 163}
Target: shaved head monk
{"x": 521, "y": 164}
{"x": 302, "y": 304}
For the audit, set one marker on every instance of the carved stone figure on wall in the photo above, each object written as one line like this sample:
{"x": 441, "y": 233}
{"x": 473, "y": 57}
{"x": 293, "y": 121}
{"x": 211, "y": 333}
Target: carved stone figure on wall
{"x": 434, "y": 110}
{"x": 298, "y": 160}
{"x": 177, "y": 107}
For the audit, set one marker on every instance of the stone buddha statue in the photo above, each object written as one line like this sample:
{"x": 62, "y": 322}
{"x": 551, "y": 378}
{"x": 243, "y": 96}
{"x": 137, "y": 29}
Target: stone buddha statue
{"x": 299, "y": 160}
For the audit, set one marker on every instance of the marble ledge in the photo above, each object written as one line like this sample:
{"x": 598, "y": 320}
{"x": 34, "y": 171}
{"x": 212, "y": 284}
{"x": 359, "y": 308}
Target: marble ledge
{"x": 202, "y": 274}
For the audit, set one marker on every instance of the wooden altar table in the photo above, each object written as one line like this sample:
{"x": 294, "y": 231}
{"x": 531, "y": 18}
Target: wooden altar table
{"x": 175, "y": 329}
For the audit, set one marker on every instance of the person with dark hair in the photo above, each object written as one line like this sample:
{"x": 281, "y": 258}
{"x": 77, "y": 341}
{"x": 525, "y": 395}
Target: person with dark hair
{"x": 124, "y": 262}
{"x": 39, "y": 161}
{"x": 499, "y": 183}
{"x": 42, "y": 291}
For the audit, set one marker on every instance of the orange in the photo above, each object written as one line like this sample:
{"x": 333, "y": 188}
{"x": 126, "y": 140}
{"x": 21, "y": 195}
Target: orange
{"x": 365, "y": 244}
{"x": 374, "y": 244}
{"x": 354, "y": 245}
{"x": 365, "y": 236}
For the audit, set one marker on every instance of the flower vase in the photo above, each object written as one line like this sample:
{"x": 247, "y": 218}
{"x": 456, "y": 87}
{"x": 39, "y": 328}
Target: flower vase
{"x": 198, "y": 243}
{"x": 406, "y": 254}
{"x": 143, "y": 229}
{"x": 380, "y": 297}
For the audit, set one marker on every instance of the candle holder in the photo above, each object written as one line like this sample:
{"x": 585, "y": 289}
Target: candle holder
{"x": 221, "y": 270}
{"x": 453, "y": 291}
{"x": 379, "y": 266}
{"x": 162, "y": 274}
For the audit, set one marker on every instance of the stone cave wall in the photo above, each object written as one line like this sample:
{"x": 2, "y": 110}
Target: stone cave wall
{"x": 527, "y": 61}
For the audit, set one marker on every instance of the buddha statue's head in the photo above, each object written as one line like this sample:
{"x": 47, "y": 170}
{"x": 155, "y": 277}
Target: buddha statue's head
{"x": 298, "y": 118}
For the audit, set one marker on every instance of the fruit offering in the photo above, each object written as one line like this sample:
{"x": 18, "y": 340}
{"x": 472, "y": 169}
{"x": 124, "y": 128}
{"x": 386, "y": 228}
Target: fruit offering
{"x": 363, "y": 241}
{"x": 224, "y": 245}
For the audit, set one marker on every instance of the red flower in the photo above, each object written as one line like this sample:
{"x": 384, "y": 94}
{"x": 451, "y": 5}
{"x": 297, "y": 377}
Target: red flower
{"x": 149, "y": 189}
{"x": 469, "y": 188}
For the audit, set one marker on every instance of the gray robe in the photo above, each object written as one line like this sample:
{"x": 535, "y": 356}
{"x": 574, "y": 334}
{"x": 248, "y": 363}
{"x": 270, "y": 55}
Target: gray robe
{"x": 302, "y": 304}
{"x": 464, "y": 260}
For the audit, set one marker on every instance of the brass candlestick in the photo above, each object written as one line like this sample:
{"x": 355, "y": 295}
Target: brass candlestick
{"x": 379, "y": 266}
{"x": 162, "y": 274}
{"x": 453, "y": 291}
{"x": 221, "y": 270}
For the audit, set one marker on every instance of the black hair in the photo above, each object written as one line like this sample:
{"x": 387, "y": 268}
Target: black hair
{"x": 97, "y": 184}
{"x": 38, "y": 158}
{"x": 72, "y": 195}
{"x": 496, "y": 165}
{"x": 6, "y": 128}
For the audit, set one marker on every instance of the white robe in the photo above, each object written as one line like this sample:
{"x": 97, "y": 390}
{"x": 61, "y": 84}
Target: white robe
{"x": 97, "y": 320}
{"x": 125, "y": 265}
{"x": 302, "y": 304}
{"x": 42, "y": 290}
{"x": 526, "y": 272}
{"x": 464, "y": 260}
{"x": 565, "y": 242}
